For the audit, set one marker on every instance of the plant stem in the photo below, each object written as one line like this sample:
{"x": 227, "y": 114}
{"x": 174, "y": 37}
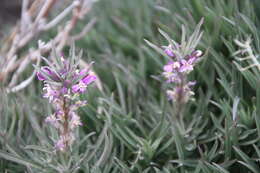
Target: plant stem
{"x": 66, "y": 123}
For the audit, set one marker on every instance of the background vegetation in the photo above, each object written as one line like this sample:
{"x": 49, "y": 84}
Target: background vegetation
{"x": 126, "y": 127}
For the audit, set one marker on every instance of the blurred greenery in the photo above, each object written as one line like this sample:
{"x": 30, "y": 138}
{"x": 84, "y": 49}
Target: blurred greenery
{"x": 128, "y": 121}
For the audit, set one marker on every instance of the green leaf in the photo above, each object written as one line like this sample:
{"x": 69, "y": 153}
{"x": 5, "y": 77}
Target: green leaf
{"x": 247, "y": 161}
{"x": 18, "y": 160}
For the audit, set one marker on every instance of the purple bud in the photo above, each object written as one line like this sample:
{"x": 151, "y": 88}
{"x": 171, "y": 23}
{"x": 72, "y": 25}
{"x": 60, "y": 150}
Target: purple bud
{"x": 89, "y": 79}
{"x": 40, "y": 76}
{"x": 45, "y": 70}
{"x": 50, "y": 73}
{"x": 169, "y": 52}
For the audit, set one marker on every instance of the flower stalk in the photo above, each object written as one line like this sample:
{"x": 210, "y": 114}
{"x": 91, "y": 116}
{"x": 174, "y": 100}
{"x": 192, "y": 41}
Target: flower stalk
{"x": 182, "y": 59}
{"x": 64, "y": 82}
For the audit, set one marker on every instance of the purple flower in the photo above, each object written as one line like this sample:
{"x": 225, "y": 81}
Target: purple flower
{"x": 186, "y": 66}
{"x": 82, "y": 85}
{"x": 183, "y": 57}
{"x": 175, "y": 72}
{"x": 79, "y": 88}
{"x": 171, "y": 66}
{"x": 50, "y": 93}
{"x": 168, "y": 67}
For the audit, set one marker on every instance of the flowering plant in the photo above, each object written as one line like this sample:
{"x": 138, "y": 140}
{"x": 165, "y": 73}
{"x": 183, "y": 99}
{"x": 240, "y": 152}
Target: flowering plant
{"x": 181, "y": 61}
{"x": 64, "y": 82}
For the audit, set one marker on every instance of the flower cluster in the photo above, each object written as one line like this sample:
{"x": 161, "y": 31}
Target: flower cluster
{"x": 63, "y": 84}
{"x": 176, "y": 71}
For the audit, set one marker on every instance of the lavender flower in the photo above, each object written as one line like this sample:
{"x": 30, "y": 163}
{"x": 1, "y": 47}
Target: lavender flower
{"x": 63, "y": 84}
{"x": 176, "y": 71}
{"x": 182, "y": 58}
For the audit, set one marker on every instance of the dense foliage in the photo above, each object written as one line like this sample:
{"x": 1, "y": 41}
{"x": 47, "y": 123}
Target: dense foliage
{"x": 126, "y": 124}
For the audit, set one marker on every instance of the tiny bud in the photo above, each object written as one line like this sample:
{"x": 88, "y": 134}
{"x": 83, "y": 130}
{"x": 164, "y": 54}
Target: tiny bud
{"x": 197, "y": 53}
{"x": 40, "y": 76}
{"x": 169, "y": 52}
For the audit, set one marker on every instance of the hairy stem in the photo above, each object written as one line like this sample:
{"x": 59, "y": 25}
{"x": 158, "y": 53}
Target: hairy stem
{"x": 66, "y": 123}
